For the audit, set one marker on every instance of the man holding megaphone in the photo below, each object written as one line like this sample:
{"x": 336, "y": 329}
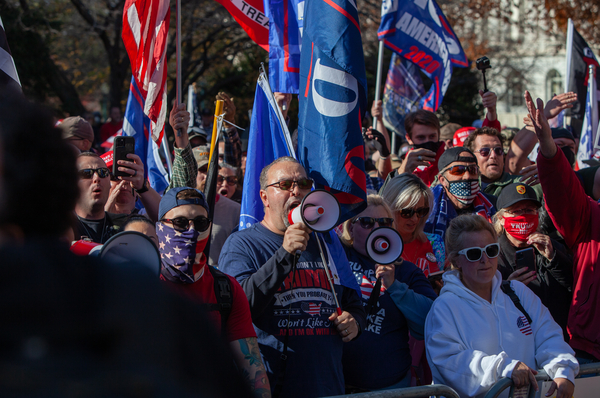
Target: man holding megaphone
{"x": 279, "y": 265}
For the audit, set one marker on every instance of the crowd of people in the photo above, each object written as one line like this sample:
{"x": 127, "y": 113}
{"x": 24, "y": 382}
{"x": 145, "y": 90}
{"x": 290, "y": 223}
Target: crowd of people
{"x": 457, "y": 307}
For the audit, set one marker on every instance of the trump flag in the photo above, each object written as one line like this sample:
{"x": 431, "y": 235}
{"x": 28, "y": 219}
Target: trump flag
{"x": 250, "y": 14}
{"x": 419, "y": 31}
{"x": 333, "y": 98}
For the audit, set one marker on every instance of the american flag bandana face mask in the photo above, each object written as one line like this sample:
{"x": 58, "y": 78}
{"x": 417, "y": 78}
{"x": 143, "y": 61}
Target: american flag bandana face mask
{"x": 465, "y": 191}
{"x": 180, "y": 251}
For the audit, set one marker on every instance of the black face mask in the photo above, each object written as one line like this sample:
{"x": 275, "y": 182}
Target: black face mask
{"x": 431, "y": 145}
{"x": 569, "y": 154}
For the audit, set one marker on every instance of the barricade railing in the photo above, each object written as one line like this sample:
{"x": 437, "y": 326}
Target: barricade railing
{"x": 436, "y": 390}
{"x": 504, "y": 383}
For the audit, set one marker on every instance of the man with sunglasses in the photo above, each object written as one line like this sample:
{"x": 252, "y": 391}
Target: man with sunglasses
{"x": 488, "y": 146}
{"x": 293, "y": 310}
{"x": 458, "y": 192}
{"x": 183, "y": 232}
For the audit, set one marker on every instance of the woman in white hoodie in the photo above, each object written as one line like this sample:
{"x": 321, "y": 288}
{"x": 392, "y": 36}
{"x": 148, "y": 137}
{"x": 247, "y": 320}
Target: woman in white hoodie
{"x": 475, "y": 334}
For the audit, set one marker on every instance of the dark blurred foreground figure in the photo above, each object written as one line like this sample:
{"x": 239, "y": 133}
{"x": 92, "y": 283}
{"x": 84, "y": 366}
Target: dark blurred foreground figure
{"x": 75, "y": 327}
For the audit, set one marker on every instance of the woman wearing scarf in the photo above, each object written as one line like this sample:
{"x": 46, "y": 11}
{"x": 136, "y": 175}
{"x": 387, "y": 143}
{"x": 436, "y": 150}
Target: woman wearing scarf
{"x": 517, "y": 224}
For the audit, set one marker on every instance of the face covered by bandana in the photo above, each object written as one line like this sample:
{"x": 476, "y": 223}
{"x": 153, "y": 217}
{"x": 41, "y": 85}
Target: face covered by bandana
{"x": 464, "y": 191}
{"x": 181, "y": 253}
{"x": 520, "y": 227}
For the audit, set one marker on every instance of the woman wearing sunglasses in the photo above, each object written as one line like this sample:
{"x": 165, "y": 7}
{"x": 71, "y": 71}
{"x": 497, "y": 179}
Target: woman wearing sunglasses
{"x": 411, "y": 201}
{"x": 550, "y": 276}
{"x": 381, "y": 359}
{"x": 475, "y": 334}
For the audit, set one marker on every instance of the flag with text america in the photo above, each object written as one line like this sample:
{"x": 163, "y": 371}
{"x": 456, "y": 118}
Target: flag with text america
{"x": 333, "y": 98}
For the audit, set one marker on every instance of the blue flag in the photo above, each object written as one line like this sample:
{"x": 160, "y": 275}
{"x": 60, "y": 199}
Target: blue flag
{"x": 285, "y": 39}
{"x": 333, "y": 98}
{"x": 419, "y": 31}
{"x": 137, "y": 124}
{"x": 590, "y": 126}
{"x": 266, "y": 142}
{"x": 403, "y": 90}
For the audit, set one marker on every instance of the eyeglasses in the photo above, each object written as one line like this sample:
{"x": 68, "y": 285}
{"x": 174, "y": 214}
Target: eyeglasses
{"x": 86, "y": 174}
{"x": 420, "y": 212}
{"x": 475, "y": 253}
{"x": 201, "y": 223}
{"x": 369, "y": 222}
{"x": 520, "y": 212}
{"x": 485, "y": 152}
{"x": 287, "y": 185}
{"x": 459, "y": 170}
{"x": 231, "y": 180}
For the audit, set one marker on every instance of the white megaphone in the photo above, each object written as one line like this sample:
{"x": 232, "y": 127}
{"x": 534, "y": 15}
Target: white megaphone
{"x": 319, "y": 210}
{"x": 384, "y": 245}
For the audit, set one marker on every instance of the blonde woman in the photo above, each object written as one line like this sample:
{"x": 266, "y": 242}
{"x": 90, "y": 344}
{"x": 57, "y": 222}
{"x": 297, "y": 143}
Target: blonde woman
{"x": 474, "y": 332}
{"x": 404, "y": 300}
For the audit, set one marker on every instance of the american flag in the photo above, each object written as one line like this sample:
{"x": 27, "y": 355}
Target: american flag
{"x": 8, "y": 71}
{"x": 523, "y": 325}
{"x": 311, "y": 309}
{"x": 366, "y": 287}
{"x": 467, "y": 194}
{"x": 145, "y": 29}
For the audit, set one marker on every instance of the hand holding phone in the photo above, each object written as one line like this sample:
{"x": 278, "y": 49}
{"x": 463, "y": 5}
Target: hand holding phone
{"x": 123, "y": 146}
{"x": 525, "y": 258}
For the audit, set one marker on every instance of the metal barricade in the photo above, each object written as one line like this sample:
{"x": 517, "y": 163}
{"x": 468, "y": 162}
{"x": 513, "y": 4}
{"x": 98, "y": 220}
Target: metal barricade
{"x": 504, "y": 383}
{"x": 436, "y": 390}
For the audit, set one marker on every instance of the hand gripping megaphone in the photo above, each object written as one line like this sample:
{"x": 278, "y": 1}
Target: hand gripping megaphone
{"x": 319, "y": 210}
{"x": 384, "y": 245}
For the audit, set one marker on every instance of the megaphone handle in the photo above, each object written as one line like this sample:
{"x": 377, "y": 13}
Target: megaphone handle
{"x": 329, "y": 277}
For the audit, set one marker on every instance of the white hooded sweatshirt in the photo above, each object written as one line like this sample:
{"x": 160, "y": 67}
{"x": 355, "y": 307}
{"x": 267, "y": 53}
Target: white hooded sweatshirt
{"x": 472, "y": 343}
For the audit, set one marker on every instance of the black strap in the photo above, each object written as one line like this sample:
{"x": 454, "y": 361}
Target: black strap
{"x": 371, "y": 304}
{"x": 508, "y": 290}
{"x": 223, "y": 295}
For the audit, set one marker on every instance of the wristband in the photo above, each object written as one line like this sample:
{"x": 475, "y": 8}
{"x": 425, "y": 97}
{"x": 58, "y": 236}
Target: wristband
{"x": 143, "y": 189}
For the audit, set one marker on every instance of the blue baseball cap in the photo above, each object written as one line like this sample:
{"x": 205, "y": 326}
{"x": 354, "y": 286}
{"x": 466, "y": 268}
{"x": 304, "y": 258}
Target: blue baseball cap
{"x": 169, "y": 201}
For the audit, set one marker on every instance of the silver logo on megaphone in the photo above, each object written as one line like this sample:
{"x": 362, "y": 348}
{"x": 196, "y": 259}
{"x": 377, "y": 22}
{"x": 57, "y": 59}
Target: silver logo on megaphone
{"x": 384, "y": 245}
{"x": 319, "y": 210}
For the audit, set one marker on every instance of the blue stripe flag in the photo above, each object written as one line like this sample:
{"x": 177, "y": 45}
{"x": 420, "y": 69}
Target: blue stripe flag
{"x": 590, "y": 125}
{"x": 137, "y": 124}
{"x": 285, "y": 39}
{"x": 266, "y": 142}
{"x": 333, "y": 98}
{"x": 419, "y": 31}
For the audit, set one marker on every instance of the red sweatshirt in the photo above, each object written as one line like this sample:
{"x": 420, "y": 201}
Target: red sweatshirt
{"x": 577, "y": 218}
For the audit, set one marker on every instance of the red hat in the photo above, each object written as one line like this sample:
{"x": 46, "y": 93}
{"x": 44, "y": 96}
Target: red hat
{"x": 461, "y": 135}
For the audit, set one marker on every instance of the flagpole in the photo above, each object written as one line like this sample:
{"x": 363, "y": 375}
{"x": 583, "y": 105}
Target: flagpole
{"x": 378, "y": 79}
{"x": 568, "y": 61}
{"x": 178, "y": 57}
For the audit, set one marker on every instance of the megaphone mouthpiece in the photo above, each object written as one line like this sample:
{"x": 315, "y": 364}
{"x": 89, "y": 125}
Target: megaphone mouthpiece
{"x": 384, "y": 245}
{"x": 319, "y": 210}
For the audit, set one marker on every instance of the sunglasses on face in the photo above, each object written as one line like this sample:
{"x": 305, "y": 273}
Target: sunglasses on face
{"x": 369, "y": 222}
{"x": 475, "y": 253}
{"x": 459, "y": 170}
{"x": 201, "y": 223}
{"x": 420, "y": 212}
{"x": 485, "y": 152}
{"x": 86, "y": 174}
{"x": 287, "y": 185}
{"x": 231, "y": 180}
{"x": 522, "y": 211}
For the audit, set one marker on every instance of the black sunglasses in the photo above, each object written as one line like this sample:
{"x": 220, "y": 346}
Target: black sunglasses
{"x": 475, "y": 253}
{"x": 485, "y": 152}
{"x": 459, "y": 170}
{"x": 369, "y": 222}
{"x": 231, "y": 180}
{"x": 86, "y": 174}
{"x": 201, "y": 223}
{"x": 287, "y": 185}
{"x": 420, "y": 212}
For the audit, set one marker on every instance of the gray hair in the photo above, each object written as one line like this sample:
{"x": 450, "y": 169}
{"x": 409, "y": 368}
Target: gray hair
{"x": 265, "y": 171}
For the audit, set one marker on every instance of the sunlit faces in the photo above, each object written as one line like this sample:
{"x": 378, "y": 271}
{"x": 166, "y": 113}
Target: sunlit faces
{"x": 360, "y": 234}
{"x": 491, "y": 167}
{"x": 225, "y": 184}
{"x": 477, "y": 275}
{"x": 190, "y": 212}
{"x": 421, "y": 134}
{"x": 93, "y": 191}
{"x": 406, "y": 226}
{"x": 279, "y": 202}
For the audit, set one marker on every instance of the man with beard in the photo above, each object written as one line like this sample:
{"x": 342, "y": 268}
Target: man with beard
{"x": 488, "y": 146}
{"x": 293, "y": 310}
{"x": 423, "y": 133}
{"x": 458, "y": 191}
{"x": 183, "y": 231}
